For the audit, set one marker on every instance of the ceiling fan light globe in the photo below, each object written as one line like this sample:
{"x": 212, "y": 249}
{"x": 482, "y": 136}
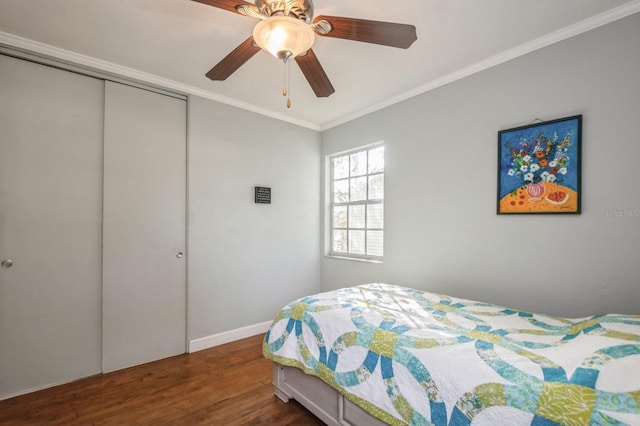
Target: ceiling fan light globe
{"x": 283, "y": 35}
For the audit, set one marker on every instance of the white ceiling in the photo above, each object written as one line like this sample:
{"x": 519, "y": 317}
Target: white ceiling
{"x": 175, "y": 42}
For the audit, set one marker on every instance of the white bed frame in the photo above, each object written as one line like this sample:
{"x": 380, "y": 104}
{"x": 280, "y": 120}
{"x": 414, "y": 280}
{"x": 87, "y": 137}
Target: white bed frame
{"x": 318, "y": 397}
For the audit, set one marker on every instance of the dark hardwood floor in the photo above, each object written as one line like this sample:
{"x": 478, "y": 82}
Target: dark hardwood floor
{"x": 225, "y": 385}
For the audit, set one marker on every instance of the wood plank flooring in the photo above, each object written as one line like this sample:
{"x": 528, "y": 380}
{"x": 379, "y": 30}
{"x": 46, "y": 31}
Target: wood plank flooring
{"x": 226, "y": 385}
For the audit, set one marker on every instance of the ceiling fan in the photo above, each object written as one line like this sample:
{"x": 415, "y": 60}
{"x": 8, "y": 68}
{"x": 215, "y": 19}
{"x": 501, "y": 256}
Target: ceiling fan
{"x": 287, "y": 30}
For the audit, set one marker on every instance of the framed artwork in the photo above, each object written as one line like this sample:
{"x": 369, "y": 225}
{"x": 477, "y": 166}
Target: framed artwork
{"x": 539, "y": 167}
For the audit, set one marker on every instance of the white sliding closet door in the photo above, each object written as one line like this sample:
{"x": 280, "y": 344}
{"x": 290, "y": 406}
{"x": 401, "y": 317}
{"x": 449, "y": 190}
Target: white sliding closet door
{"x": 144, "y": 289}
{"x": 51, "y": 125}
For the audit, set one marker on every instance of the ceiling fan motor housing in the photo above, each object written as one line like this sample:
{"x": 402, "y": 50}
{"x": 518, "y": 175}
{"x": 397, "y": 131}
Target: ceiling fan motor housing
{"x": 301, "y": 9}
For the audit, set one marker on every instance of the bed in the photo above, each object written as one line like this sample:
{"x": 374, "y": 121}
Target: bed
{"x": 385, "y": 354}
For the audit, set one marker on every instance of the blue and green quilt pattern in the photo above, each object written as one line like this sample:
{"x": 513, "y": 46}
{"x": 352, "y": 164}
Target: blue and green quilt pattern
{"x": 419, "y": 358}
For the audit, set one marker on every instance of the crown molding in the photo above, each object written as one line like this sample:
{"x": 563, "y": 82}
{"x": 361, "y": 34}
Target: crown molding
{"x": 523, "y": 49}
{"x": 63, "y": 56}
{"x": 66, "y": 57}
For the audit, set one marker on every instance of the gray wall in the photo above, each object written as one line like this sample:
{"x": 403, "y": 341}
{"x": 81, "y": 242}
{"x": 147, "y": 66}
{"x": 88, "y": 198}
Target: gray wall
{"x": 442, "y": 232}
{"x": 248, "y": 260}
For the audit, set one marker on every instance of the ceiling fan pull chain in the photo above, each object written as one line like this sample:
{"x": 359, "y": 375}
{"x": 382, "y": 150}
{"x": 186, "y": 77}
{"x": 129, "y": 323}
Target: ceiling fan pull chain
{"x": 284, "y": 78}
{"x": 287, "y": 80}
{"x": 288, "y": 65}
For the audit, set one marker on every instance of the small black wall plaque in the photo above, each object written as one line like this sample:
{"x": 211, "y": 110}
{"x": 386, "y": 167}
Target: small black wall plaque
{"x": 262, "y": 195}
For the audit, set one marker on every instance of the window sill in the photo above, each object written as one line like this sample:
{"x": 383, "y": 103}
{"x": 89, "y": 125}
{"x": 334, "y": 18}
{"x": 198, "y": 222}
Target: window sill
{"x": 356, "y": 259}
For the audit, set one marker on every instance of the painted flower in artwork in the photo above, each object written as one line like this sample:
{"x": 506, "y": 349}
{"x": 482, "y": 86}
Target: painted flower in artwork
{"x": 543, "y": 159}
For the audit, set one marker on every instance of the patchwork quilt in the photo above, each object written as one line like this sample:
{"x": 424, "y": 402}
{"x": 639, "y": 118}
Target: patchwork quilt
{"x": 419, "y": 358}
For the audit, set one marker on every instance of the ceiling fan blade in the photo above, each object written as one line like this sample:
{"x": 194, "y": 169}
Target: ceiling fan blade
{"x": 377, "y": 32}
{"x": 230, "y": 5}
{"x": 234, "y": 60}
{"x": 315, "y": 74}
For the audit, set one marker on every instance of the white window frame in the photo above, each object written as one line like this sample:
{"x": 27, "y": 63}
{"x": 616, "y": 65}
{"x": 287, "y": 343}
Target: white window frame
{"x": 331, "y": 204}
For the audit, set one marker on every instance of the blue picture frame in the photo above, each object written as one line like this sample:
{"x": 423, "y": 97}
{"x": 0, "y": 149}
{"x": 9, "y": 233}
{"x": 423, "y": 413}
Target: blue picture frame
{"x": 539, "y": 168}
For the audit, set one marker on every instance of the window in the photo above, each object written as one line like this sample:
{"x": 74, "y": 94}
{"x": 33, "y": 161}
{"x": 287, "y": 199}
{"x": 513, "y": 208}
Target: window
{"x": 357, "y": 203}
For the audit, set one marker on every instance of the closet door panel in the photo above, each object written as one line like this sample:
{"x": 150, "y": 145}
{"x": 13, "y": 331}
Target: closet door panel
{"x": 144, "y": 289}
{"x": 51, "y": 125}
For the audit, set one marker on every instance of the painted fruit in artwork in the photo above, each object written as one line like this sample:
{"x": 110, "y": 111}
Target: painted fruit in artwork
{"x": 557, "y": 197}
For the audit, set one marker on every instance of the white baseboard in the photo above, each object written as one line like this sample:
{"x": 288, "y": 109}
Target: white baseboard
{"x": 227, "y": 336}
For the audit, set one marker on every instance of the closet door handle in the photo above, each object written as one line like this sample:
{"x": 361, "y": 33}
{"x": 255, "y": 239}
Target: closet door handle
{"x": 179, "y": 255}
{"x": 6, "y": 263}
